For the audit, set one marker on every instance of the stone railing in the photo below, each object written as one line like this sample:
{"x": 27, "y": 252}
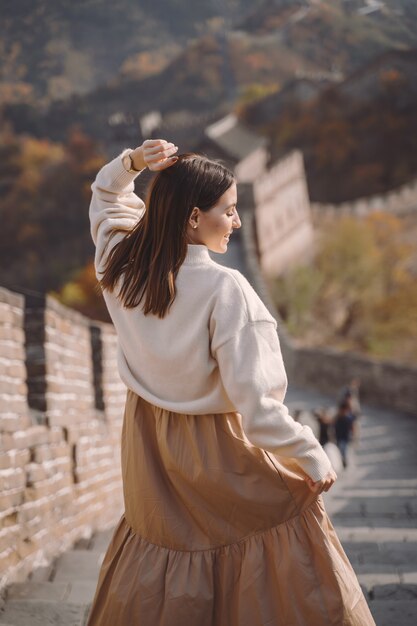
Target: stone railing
{"x": 400, "y": 201}
{"x": 61, "y": 407}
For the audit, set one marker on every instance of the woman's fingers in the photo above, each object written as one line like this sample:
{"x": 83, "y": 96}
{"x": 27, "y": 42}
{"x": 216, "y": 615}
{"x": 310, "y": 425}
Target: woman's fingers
{"x": 161, "y": 154}
{"x": 312, "y": 485}
{"x": 324, "y": 484}
{"x": 159, "y": 148}
{"x": 163, "y": 165}
{"x": 158, "y": 153}
{"x": 148, "y": 143}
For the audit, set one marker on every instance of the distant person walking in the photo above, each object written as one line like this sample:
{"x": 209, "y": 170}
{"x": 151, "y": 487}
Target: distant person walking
{"x": 350, "y": 394}
{"x": 224, "y": 524}
{"x": 325, "y": 420}
{"x": 325, "y": 424}
{"x": 344, "y": 426}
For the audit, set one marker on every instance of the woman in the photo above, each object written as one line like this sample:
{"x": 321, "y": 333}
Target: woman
{"x": 224, "y": 524}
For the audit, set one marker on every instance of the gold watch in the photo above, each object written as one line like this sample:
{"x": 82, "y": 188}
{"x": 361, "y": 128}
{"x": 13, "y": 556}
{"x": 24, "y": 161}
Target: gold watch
{"x": 128, "y": 163}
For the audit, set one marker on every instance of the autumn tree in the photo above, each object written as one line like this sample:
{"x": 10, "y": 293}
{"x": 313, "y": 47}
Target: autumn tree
{"x": 360, "y": 293}
{"x": 44, "y": 209}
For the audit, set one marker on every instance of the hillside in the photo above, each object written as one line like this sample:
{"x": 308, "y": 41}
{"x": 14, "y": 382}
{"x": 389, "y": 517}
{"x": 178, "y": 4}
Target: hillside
{"x": 211, "y": 60}
{"x": 358, "y": 137}
{"x": 337, "y": 36}
{"x": 53, "y": 50}
{"x": 303, "y": 73}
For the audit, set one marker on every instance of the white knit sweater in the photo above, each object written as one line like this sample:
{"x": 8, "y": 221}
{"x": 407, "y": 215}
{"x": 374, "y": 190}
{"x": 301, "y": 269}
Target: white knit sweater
{"x": 216, "y": 351}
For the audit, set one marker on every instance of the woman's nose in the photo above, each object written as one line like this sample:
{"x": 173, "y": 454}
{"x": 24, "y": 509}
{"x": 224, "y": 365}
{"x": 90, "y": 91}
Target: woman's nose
{"x": 236, "y": 221}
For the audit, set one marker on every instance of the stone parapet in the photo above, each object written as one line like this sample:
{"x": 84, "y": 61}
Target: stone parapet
{"x": 400, "y": 201}
{"x": 59, "y": 455}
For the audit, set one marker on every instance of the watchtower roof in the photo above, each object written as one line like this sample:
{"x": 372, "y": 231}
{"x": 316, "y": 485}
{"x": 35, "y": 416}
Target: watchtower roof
{"x": 233, "y": 138}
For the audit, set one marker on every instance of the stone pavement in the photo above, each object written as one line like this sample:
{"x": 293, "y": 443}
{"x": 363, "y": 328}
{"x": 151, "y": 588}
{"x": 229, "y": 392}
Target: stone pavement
{"x": 373, "y": 506}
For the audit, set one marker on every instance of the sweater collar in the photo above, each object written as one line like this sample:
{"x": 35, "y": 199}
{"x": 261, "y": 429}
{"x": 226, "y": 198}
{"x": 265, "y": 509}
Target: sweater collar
{"x": 196, "y": 254}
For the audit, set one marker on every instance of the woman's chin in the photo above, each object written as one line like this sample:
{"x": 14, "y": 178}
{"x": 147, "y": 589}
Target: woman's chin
{"x": 220, "y": 248}
{"x": 223, "y": 246}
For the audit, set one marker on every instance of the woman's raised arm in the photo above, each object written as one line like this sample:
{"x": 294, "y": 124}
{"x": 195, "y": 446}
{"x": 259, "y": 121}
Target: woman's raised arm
{"x": 114, "y": 204}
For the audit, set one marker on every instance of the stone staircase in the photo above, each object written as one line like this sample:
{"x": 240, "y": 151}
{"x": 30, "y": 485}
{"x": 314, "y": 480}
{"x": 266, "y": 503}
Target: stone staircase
{"x": 60, "y": 594}
{"x": 373, "y": 506}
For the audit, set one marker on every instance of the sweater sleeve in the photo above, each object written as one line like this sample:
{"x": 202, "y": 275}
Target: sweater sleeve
{"x": 253, "y": 375}
{"x": 113, "y": 205}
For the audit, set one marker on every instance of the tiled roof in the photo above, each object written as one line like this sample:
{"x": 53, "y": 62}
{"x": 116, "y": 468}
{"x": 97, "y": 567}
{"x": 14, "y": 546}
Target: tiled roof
{"x": 233, "y": 138}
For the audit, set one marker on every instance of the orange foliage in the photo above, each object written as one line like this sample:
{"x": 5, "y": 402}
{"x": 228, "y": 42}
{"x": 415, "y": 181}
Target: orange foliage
{"x": 83, "y": 294}
{"x": 44, "y": 209}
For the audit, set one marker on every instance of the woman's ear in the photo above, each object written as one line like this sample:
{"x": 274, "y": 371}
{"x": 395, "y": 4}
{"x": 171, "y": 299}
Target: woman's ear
{"x": 193, "y": 221}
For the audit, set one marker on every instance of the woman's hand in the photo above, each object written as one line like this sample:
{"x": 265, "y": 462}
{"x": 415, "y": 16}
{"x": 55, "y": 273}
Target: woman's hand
{"x": 324, "y": 484}
{"x": 156, "y": 154}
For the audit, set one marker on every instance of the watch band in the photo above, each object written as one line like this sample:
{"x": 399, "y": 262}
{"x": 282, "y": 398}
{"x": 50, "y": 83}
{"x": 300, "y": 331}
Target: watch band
{"x": 128, "y": 163}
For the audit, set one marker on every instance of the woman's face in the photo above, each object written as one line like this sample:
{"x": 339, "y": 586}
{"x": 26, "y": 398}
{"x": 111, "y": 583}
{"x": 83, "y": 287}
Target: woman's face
{"x": 216, "y": 225}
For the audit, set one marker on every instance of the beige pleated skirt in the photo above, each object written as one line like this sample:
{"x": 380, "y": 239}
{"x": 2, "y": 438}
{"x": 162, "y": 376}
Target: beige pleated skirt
{"x": 217, "y": 532}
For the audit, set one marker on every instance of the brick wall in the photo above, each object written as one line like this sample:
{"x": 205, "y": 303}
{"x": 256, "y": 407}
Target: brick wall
{"x": 61, "y": 408}
{"x": 16, "y": 430}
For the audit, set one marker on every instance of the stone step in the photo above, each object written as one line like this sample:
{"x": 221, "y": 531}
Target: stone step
{"x": 394, "y": 592}
{"x": 400, "y": 508}
{"x": 47, "y": 591}
{"x": 380, "y": 534}
{"x": 42, "y": 613}
{"x": 340, "y": 520}
{"x": 101, "y": 540}
{"x": 395, "y": 553}
{"x": 79, "y": 565}
{"x": 394, "y": 613}
{"x": 43, "y": 573}
{"x": 369, "y": 580}
{"x": 75, "y": 592}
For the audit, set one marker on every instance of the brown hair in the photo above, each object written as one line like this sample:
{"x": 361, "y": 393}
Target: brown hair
{"x": 149, "y": 256}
